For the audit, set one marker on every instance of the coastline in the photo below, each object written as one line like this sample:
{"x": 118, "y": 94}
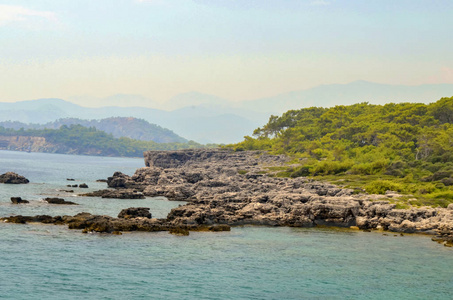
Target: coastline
{"x": 225, "y": 188}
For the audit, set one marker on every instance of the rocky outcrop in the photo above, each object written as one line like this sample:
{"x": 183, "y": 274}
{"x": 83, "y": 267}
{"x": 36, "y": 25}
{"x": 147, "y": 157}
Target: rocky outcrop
{"x": 237, "y": 188}
{"x": 13, "y": 178}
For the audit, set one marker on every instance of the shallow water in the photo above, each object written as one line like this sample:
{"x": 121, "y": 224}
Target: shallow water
{"x": 48, "y": 174}
{"x": 47, "y": 261}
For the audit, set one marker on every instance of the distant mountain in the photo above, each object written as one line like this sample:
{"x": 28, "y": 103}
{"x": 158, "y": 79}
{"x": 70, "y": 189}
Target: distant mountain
{"x": 120, "y": 100}
{"x": 196, "y": 99}
{"x": 200, "y": 124}
{"x": 346, "y": 94}
{"x": 133, "y": 128}
{"x": 210, "y": 119}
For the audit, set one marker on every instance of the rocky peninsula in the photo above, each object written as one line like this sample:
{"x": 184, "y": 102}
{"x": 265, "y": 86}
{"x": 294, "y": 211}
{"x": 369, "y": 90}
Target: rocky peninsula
{"x": 225, "y": 188}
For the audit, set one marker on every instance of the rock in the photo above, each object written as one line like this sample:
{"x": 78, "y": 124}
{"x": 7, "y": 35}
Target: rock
{"x": 18, "y": 200}
{"x": 118, "y": 194}
{"x": 101, "y": 180}
{"x": 70, "y": 179}
{"x": 40, "y": 218}
{"x": 13, "y": 178}
{"x": 135, "y": 212}
{"x": 83, "y": 186}
{"x": 59, "y": 201}
{"x": 118, "y": 180}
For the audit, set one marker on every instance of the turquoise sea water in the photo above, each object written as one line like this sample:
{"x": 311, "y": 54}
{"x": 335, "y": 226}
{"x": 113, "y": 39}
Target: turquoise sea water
{"x": 51, "y": 262}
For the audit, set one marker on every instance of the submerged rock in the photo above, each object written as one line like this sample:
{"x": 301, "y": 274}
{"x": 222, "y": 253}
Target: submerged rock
{"x": 59, "y": 201}
{"x": 118, "y": 194}
{"x": 106, "y": 224}
{"x": 13, "y": 178}
{"x": 18, "y": 200}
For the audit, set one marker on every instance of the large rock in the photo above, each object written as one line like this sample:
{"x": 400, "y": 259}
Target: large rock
{"x": 13, "y": 178}
{"x": 135, "y": 212}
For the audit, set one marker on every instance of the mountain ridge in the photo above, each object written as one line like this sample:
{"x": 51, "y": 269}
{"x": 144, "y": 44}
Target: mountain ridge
{"x": 137, "y": 129}
{"x": 211, "y": 119}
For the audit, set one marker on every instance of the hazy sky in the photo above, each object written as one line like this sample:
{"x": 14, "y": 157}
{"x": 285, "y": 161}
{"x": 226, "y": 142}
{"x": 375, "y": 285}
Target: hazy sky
{"x": 236, "y": 49}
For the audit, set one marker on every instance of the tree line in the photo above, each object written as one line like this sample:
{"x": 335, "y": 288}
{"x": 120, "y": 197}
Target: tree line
{"x": 412, "y": 142}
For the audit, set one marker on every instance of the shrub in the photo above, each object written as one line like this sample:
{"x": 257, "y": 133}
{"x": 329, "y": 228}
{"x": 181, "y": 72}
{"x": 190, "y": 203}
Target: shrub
{"x": 381, "y": 186}
{"x": 396, "y": 169}
{"x": 331, "y": 167}
{"x": 369, "y": 168}
{"x": 301, "y": 171}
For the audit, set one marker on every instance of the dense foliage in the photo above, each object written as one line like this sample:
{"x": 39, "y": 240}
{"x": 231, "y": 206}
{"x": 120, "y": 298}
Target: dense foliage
{"x": 410, "y": 145}
{"x": 77, "y": 139}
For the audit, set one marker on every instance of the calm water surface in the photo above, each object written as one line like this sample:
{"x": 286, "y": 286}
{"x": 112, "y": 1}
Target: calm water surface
{"x": 52, "y": 262}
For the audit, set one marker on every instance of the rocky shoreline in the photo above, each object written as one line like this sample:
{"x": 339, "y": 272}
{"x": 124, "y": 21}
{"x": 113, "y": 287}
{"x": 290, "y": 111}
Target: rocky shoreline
{"x": 225, "y": 188}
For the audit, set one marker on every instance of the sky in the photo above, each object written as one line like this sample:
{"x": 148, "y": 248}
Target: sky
{"x": 234, "y": 49}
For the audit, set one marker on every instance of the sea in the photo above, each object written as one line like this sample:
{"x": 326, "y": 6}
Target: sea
{"x": 40, "y": 261}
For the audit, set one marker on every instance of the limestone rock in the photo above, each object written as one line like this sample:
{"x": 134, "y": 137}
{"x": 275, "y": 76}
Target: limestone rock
{"x": 13, "y": 178}
{"x": 135, "y": 212}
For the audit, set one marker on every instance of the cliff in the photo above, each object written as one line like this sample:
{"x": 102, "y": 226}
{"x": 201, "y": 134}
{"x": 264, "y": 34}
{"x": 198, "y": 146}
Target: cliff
{"x": 179, "y": 158}
{"x": 27, "y": 143}
{"x": 41, "y": 144}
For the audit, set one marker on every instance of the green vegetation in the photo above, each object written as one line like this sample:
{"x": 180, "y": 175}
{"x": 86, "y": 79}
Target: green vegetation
{"x": 77, "y": 139}
{"x": 405, "y": 147}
